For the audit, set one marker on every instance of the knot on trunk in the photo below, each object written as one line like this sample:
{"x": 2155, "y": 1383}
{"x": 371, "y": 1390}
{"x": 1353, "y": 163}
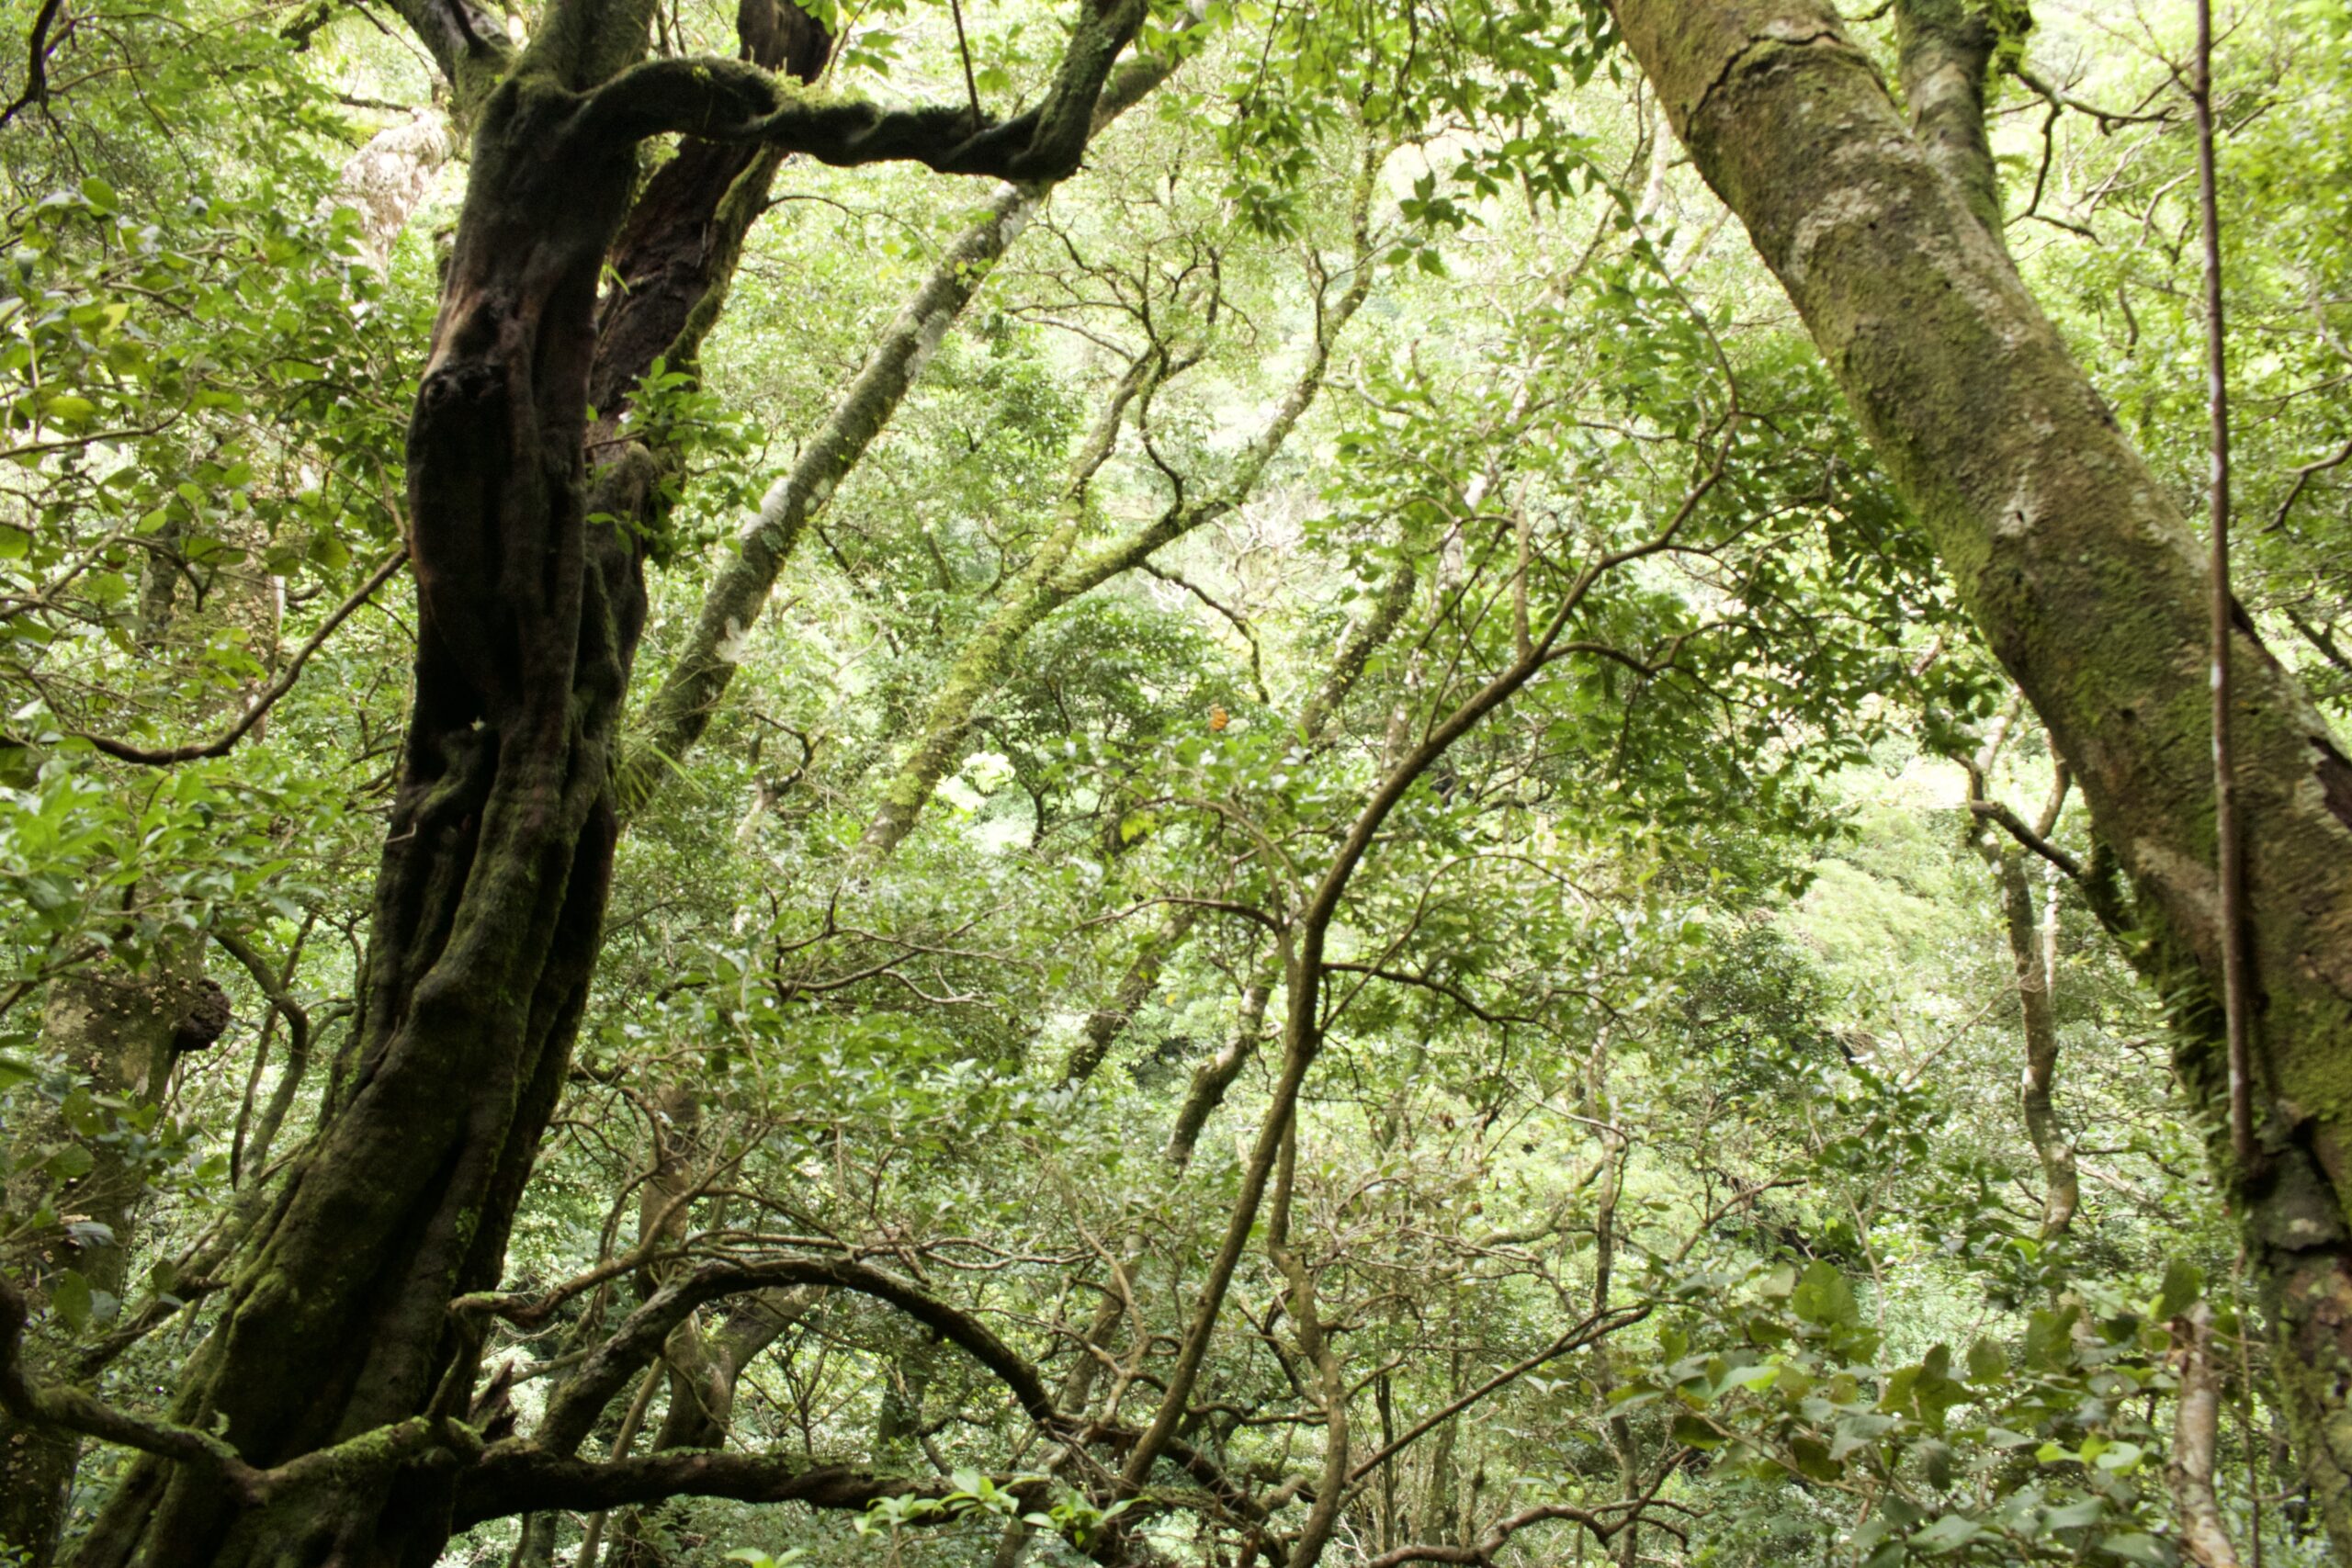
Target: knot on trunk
{"x": 205, "y": 1021}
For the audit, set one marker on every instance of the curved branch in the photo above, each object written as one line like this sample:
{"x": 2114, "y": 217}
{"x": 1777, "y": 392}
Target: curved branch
{"x": 72, "y": 1410}
{"x": 256, "y": 710}
{"x": 729, "y": 100}
{"x": 37, "y": 67}
{"x": 519, "y": 1478}
{"x": 574, "y": 1407}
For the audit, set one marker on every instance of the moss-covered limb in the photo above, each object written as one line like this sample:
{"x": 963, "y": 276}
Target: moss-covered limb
{"x": 680, "y": 710}
{"x": 2029, "y": 949}
{"x": 1090, "y": 571}
{"x": 65, "y": 1408}
{"x": 60, "y": 1406}
{"x": 1058, "y": 573}
{"x": 1104, "y": 1026}
{"x": 574, "y": 1408}
{"x": 1945, "y": 58}
{"x": 1365, "y": 637}
{"x": 468, "y": 44}
{"x": 987, "y": 656}
{"x": 727, "y": 100}
{"x": 2092, "y": 591}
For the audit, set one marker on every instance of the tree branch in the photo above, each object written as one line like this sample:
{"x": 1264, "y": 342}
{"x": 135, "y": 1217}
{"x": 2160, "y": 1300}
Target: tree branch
{"x": 574, "y": 1407}
{"x": 730, "y": 100}
{"x": 520, "y": 1478}
{"x": 259, "y": 707}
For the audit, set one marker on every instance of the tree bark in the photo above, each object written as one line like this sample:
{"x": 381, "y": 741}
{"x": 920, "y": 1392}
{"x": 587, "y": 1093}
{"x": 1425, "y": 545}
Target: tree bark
{"x": 2088, "y": 583}
{"x": 2029, "y": 956}
{"x": 116, "y": 1030}
{"x": 490, "y": 897}
{"x": 335, "y": 1351}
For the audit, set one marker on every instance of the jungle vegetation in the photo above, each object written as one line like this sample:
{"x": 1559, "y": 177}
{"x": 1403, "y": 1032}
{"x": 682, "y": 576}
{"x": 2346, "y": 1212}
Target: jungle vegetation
{"x": 1175, "y": 782}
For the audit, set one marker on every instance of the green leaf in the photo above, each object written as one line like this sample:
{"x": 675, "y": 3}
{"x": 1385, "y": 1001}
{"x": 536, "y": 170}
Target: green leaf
{"x": 71, "y": 1300}
{"x": 2075, "y": 1514}
{"x": 1947, "y": 1534}
{"x": 1692, "y": 1432}
{"x": 2048, "y": 1337}
{"x": 1987, "y": 1361}
{"x": 1813, "y": 1460}
{"x": 1823, "y": 1297}
{"x": 2184, "y": 1283}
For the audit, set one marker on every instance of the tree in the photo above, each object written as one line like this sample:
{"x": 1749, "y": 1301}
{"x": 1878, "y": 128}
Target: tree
{"x": 1305, "y": 881}
{"x": 494, "y": 879}
{"x": 2080, "y": 570}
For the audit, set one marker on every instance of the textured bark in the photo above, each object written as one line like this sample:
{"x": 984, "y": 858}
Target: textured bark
{"x": 677, "y": 254}
{"x": 489, "y": 900}
{"x": 385, "y": 181}
{"x": 1945, "y": 49}
{"x": 2029, "y": 955}
{"x": 2089, "y": 586}
{"x": 116, "y": 1030}
{"x": 2204, "y": 1539}
{"x": 1104, "y": 1026}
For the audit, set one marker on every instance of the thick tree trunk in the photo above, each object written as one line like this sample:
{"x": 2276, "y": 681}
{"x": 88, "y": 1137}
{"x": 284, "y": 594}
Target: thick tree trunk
{"x": 336, "y": 1372}
{"x": 2092, "y": 591}
{"x": 489, "y": 901}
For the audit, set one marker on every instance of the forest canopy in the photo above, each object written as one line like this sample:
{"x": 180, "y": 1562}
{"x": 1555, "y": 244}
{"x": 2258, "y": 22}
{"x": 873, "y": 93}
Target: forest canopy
{"x": 1179, "y": 782}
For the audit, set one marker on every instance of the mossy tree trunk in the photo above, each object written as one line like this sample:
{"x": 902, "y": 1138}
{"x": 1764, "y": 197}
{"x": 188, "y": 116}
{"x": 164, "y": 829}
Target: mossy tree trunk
{"x": 489, "y": 900}
{"x": 336, "y": 1332}
{"x": 2090, "y": 587}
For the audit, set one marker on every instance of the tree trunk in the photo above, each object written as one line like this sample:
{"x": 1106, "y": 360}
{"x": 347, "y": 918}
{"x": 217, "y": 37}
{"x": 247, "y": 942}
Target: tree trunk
{"x": 116, "y": 1030}
{"x": 2091, "y": 590}
{"x": 488, "y": 902}
{"x": 2029, "y": 953}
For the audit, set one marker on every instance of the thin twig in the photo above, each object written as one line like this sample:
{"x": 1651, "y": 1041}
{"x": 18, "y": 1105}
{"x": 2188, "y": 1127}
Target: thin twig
{"x": 2229, "y": 871}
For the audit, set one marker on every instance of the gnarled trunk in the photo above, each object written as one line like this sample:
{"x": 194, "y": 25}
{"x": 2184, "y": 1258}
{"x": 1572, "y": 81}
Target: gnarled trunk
{"x": 489, "y": 904}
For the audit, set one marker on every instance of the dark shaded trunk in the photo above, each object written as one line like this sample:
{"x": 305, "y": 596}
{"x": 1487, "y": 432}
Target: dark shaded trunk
{"x": 490, "y": 898}
{"x": 336, "y": 1373}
